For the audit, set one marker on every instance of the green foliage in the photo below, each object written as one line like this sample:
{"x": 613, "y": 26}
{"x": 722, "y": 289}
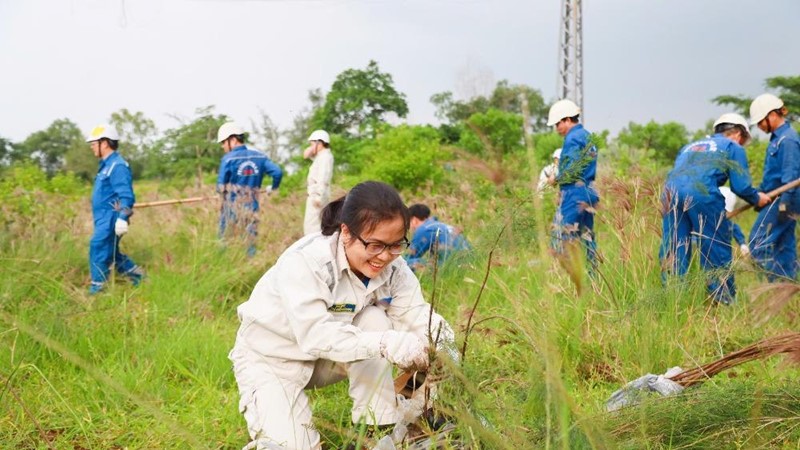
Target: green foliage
{"x": 359, "y": 101}
{"x": 81, "y": 161}
{"x": 6, "y": 151}
{"x": 22, "y": 184}
{"x": 49, "y": 147}
{"x": 545, "y": 144}
{"x": 146, "y": 367}
{"x": 665, "y": 140}
{"x": 137, "y": 137}
{"x": 191, "y": 150}
{"x": 493, "y": 134}
{"x": 406, "y": 157}
{"x": 505, "y": 97}
{"x": 785, "y": 87}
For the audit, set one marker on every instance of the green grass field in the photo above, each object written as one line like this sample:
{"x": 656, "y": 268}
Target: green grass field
{"x": 147, "y": 367}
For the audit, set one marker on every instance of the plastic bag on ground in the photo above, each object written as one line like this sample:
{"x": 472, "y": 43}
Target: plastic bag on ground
{"x": 631, "y": 393}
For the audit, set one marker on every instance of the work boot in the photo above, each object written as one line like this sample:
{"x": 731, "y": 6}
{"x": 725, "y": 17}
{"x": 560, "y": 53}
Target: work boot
{"x": 136, "y": 275}
{"x": 96, "y": 288}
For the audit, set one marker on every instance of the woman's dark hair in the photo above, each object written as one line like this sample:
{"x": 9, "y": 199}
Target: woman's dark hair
{"x": 364, "y": 207}
{"x": 419, "y": 211}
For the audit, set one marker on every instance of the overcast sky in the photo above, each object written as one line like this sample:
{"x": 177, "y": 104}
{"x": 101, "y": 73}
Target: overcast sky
{"x": 644, "y": 59}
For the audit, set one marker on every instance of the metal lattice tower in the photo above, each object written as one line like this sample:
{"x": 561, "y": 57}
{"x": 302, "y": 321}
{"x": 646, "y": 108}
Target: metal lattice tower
{"x": 570, "y": 52}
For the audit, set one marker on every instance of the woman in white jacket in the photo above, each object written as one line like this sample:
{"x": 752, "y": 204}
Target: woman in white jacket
{"x": 337, "y": 304}
{"x": 319, "y": 178}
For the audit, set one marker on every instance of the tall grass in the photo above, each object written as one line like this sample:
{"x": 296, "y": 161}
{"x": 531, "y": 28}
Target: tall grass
{"x": 147, "y": 367}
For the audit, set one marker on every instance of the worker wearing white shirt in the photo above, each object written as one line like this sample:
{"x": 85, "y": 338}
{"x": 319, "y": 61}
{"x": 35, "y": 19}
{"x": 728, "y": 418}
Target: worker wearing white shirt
{"x": 337, "y": 304}
{"x": 319, "y": 179}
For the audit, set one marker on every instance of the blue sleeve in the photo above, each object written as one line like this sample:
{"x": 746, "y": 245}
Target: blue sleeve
{"x": 274, "y": 171}
{"x": 122, "y": 185}
{"x": 738, "y": 235}
{"x": 224, "y": 176}
{"x": 790, "y": 169}
{"x": 420, "y": 243}
{"x": 569, "y": 153}
{"x": 741, "y": 184}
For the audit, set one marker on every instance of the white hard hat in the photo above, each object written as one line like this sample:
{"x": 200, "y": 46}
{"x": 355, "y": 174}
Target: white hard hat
{"x": 229, "y": 129}
{"x": 560, "y": 110}
{"x": 730, "y": 198}
{"x": 320, "y": 135}
{"x": 557, "y": 153}
{"x": 762, "y": 106}
{"x": 103, "y": 131}
{"x": 735, "y": 119}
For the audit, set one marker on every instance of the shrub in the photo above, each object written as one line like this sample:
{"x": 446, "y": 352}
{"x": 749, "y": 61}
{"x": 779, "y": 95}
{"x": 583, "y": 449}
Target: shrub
{"x": 406, "y": 157}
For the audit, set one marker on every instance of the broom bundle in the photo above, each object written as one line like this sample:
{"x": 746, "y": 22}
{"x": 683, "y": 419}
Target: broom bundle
{"x": 787, "y": 343}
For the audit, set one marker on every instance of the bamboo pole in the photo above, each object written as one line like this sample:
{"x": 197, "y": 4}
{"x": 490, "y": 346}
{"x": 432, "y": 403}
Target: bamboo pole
{"x": 179, "y": 201}
{"x": 773, "y": 194}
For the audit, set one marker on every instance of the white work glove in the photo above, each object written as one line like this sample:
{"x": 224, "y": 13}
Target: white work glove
{"x": 404, "y": 349}
{"x": 744, "y": 249}
{"x": 269, "y": 190}
{"x": 120, "y": 227}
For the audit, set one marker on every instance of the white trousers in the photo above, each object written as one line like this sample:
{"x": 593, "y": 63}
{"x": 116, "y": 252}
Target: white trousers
{"x": 312, "y": 221}
{"x": 277, "y": 409}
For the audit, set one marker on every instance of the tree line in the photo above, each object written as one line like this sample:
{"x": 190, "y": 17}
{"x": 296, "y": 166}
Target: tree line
{"x": 357, "y": 111}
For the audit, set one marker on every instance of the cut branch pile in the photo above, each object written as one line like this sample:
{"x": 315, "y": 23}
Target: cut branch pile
{"x": 788, "y": 343}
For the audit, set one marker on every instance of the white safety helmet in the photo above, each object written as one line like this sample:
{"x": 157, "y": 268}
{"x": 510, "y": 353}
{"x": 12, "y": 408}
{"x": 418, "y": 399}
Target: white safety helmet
{"x": 320, "y": 135}
{"x": 560, "y": 110}
{"x": 762, "y": 106}
{"x": 103, "y": 131}
{"x": 557, "y": 153}
{"x": 730, "y": 198}
{"x": 735, "y": 119}
{"x": 227, "y": 130}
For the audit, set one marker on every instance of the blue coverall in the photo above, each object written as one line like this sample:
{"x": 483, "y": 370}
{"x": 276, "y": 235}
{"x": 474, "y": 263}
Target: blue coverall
{"x": 576, "y": 172}
{"x": 240, "y": 175}
{"x": 772, "y": 240}
{"x": 112, "y": 198}
{"x": 693, "y": 204}
{"x": 432, "y": 237}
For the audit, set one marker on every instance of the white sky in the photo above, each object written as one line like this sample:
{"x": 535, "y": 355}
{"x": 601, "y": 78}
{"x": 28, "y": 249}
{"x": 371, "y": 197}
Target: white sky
{"x": 643, "y": 59}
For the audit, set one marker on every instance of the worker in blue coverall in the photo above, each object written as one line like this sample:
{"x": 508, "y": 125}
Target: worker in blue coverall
{"x": 694, "y": 206}
{"x": 239, "y": 182}
{"x": 772, "y": 238}
{"x": 112, "y": 207}
{"x": 577, "y": 167}
{"x": 431, "y": 237}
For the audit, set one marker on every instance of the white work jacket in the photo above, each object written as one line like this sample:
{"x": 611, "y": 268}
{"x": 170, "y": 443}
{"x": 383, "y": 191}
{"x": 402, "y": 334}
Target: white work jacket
{"x": 302, "y": 309}
{"x": 319, "y": 178}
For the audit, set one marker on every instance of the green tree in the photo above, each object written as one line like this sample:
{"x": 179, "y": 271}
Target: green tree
{"x": 137, "y": 136}
{"x": 407, "y": 157}
{"x": 505, "y": 97}
{"x": 191, "y": 150}
{"x": 49, "y": 147}
{"x": 6, "y": 151}
{"x": 665, "y": 140}
{"x": 493, "y": 134}
{"x": 785, "y": 87}
{"x": 266, "y": 136}
{"x": 359, "y": 100}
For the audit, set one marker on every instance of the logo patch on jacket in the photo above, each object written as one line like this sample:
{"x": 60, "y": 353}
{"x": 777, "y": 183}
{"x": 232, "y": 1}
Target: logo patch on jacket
{"x": 247, "y": 169}
{"x": 342, "y": 308}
